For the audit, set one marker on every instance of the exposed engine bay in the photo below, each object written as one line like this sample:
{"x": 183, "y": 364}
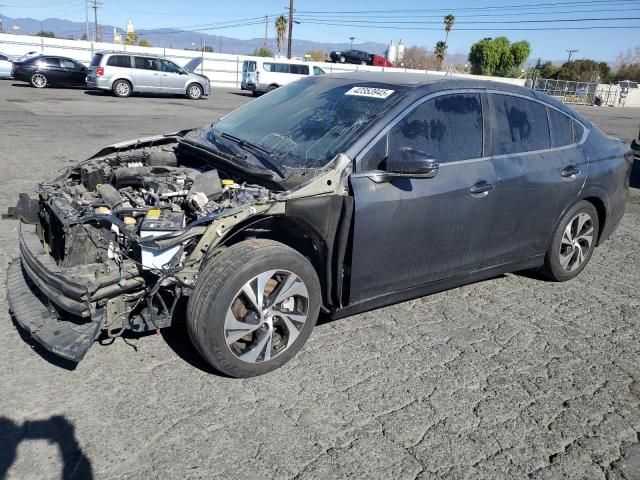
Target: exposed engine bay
{"x": 118, "y": 240}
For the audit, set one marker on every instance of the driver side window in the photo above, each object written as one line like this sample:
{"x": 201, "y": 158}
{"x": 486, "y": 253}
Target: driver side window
{"x": 446, "y": 128}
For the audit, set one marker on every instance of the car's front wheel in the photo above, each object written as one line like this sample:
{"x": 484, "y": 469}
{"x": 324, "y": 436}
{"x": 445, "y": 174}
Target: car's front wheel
{"x": 573, "y": 243}
{"x": 38, "y": 80}
{"x": 194, "y": 91}
{"x": 253, "y": 307}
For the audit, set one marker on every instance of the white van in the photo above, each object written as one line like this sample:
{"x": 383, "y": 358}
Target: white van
{"x": 263, "y": 75}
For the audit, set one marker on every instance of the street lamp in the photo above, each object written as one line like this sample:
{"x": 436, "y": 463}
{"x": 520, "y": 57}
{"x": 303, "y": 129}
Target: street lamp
{"x": 352, "y": 39}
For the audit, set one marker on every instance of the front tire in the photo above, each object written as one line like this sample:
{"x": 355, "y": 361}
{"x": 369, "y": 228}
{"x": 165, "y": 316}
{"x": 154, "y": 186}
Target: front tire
{"x": 38, "y": 80}
{"x": 573, "y": 243}
{"x": 253, "y": 307}
{"x": 122, "y": 88}
{"x": 194, "y": 91}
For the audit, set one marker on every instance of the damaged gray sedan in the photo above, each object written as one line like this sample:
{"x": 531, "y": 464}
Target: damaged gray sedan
{"x": 336, "y": 194}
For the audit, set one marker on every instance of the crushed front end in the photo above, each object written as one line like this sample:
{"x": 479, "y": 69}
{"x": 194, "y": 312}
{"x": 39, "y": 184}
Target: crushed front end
{"x": 115, "y": 242}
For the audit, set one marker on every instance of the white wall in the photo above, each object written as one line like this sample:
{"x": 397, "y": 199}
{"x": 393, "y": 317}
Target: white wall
{"x": 224, "y": 70}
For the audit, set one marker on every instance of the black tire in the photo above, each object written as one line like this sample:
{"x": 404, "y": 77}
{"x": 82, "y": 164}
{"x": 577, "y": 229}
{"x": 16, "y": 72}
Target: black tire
{"x": 553, "y": 269}
{"x": 194, "y": 91}
{"x": 255, "y": 93}
{"x": 363, "y": 62}
{"x": 271, "y": 88}
{"x": 342, "y": 59}
{"x": 122, "y": 88}
{"x": 219, "y": 285}
{"x": 38, "y": 80}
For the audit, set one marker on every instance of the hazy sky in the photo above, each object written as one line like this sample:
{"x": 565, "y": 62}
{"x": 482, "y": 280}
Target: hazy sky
{"x": 415, "y": 22}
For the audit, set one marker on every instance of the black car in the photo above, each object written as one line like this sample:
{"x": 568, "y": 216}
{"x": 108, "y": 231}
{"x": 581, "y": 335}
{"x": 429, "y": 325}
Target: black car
{"x": 45, "y": 70}
{"x": 357, "y": 57}
{"x": 336, "y": 193}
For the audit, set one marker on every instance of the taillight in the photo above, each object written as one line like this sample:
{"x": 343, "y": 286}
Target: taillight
{"x": 99, "y": 71}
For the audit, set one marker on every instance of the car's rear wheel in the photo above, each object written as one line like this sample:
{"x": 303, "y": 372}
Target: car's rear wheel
{"x": 271, "y": 88}
{"x": 38, "y": 80}
{"x": 122, "y": 88}
{"x": 573, "y": 243}
{"x": 194, "y": 91}
{"x": 253, "y": 307}
{"x": 255, "y": 93}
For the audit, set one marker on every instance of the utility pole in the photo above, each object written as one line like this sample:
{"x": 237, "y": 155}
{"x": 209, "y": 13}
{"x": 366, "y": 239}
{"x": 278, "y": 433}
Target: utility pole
{"x": 86, "y": 18}
{"x": 95, "y": 19}
{"x": 266, "y": 26}
{"x": 570, "y": 52}
{"x": 290, "y": 27}
{"x": 352, "y": 39}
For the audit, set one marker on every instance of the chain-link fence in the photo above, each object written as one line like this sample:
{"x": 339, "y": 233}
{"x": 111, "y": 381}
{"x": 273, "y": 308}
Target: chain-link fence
{"x": 582, "y": 93}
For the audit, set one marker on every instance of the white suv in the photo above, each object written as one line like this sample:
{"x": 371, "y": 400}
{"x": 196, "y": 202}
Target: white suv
{"x": 125, "y": 73}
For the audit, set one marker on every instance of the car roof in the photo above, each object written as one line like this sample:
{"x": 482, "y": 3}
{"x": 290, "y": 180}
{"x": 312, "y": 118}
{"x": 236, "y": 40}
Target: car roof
{"x": 136, "y": 54}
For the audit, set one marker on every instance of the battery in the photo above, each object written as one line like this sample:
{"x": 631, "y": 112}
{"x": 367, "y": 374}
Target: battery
{"x": 157, "y": 223}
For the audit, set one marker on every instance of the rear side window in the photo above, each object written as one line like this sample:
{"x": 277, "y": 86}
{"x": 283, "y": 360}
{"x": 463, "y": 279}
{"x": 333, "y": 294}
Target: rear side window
{"x": 520, "y": 125}
{"x": 578, "y": 131}
{"x": 445, "y": 128}
{"x": 146, "y": 63}
{"x": 95, "y": 62}
{"x": 299, "y": 69}
{"x": 561, "y": 128}
{"x": 52, "y": 62}
{"x": 318, "y": 71}
{"x": 123, "y": 61}
{"x": 249, "y": 66}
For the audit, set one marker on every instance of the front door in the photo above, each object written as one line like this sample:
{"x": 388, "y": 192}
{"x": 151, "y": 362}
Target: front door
{"x": 173, "y": 80}
{"x": 76, "y": 73}
{"x": 413, "y": 231}
{"x": 542, "y": 169}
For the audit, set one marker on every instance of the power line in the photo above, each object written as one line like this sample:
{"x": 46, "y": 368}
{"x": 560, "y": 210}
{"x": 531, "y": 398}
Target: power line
{"x": 485, "y": 22}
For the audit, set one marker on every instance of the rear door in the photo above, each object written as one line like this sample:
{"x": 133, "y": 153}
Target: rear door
{"x": 541, "y": 170}
{"x": 413, "y": 231}
{"x": 146, "y": 74}
{"x": 76, "y": 72}
{"x": 249, "y": 79}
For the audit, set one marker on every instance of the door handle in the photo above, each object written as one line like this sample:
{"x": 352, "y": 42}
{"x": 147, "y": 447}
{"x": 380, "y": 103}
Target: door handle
{"x": 481, "y": 188}
{"x": 570, "y": 171}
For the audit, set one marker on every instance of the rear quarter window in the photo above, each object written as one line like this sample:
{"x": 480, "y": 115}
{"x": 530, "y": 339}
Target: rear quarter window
{"x": 123, "y": 61}
{"x": 519, "y": 125}
{"x": 51, "y": 62}
{"x": 561, "y": 128}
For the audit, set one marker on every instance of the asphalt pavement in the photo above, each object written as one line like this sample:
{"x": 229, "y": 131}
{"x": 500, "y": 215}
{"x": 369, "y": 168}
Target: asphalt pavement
{"x": 514, "y": 377}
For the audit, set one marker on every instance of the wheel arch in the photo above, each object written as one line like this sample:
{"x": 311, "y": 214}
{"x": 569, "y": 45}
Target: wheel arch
{"x": 121, "y": 77}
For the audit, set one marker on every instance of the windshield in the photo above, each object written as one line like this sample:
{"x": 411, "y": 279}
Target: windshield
{"x": 307, "y": 123}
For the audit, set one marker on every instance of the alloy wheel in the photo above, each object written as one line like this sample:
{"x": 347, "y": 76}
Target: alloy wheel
{"x": 194, "y": 91}
{"x": 576, "y": 242}
{"x": 122, "y": 89}
{"x": 38, "y": 80}
{"x": 266, "y": 316}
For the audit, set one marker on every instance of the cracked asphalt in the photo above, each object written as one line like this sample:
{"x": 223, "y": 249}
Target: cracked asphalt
{"x": 513, "y": 377}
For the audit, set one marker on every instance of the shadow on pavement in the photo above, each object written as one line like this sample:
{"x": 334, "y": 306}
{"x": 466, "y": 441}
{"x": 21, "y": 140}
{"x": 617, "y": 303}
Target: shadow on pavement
{"x": 56, "y": 430}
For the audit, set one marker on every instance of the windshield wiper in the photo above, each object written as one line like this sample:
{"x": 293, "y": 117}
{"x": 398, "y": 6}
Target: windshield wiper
{"x": 252, "y": 147}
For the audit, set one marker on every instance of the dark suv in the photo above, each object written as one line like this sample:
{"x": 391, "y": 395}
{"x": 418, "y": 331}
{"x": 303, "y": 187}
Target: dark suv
{"x": 357, "y": 57}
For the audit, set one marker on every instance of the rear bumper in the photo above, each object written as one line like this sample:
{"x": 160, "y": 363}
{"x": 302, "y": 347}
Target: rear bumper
{"x": 98, "y": 83}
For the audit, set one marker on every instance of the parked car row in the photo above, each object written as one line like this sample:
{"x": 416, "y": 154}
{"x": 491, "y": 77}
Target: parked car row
{"x": 116, "y": 72}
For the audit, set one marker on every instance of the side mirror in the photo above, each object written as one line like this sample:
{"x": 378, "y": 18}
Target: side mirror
{"x": 409, "y": 162}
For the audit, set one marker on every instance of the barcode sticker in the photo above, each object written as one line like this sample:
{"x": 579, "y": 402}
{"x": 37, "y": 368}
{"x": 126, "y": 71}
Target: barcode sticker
{"x": 370, "y": 92}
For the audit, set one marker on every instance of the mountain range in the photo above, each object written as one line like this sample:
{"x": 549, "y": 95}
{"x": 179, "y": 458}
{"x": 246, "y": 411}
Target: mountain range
{"x": 175, "y": 38}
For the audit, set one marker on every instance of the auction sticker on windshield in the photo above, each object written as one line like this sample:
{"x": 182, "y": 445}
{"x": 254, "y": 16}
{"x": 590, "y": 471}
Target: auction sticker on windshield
{"x": 369, "y": 92}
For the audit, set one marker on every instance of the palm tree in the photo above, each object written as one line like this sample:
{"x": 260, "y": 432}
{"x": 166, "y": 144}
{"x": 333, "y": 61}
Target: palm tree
{"x": 440, "y": 51}
{"x": 449, "y": 20}
{"x": 281, "y": 31}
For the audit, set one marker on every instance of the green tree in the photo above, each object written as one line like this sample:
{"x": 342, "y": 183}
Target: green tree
{"x": 145, "y": 43}
{"x": 440, "y": 51}
{"x": 262, "y": 52}
{"x": 131, "y": 38}
{"x": 497, "y": 56}
{"x": 549, "y": 70}
{"x": 281, "y": 31}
